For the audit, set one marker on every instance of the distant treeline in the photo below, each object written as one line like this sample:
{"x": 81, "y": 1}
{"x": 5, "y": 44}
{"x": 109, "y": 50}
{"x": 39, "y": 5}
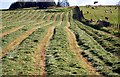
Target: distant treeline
{"x": 17, "y": 5}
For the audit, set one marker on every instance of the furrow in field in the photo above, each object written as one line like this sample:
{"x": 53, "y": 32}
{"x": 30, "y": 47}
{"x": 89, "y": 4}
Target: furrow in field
{"x": 74, "y": 47}
{"x": 40, "y": 52}
{"x": 17, "y": 41}
{"x": 35, "y": 19}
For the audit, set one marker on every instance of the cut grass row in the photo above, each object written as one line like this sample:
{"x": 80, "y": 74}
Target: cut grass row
{"x": 25, "y": 35}
{"x": 59, "y": 59}
{"x": 108, "y": 42}
{"x": 10, "y": 29}
{"x": 21, "y": 60}
{"x": 99, "y": 56}
{"x": 20, "y": 38}
{"x": 20, "y": 23}
{"x": 9, "y": 13}
{"x": 25, "y": 15}
{"x": 5, "y": 13}
{"x": 17, "y": 15}
{"x": 75, "y": 48}
{"x": 22, "y": 54}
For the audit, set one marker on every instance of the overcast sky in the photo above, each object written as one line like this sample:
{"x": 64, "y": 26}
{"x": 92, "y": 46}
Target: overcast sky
{"x": 5, "y": 4}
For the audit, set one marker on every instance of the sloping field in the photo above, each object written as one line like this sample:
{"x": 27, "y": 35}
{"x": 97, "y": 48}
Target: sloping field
{"x": 106, "y": 13}
{"x": 50, "y": 42}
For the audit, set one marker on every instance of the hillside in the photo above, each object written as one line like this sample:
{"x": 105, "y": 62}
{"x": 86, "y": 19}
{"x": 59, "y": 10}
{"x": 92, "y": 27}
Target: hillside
{"x": 50, "y": 42}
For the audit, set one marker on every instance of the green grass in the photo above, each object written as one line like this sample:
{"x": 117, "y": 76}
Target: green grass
{"x": 58, "y": 10}
{"x": 107, "y": 41}
{"x": 93, "y": 51}
{"x": 60, "y": 60}
{"x": 99, "y": 46}
{"x": 11, "y": 37}
{"x": 22, "y": 61}
{"x": 99, "y": 13}
{"x": 58, "y": 17}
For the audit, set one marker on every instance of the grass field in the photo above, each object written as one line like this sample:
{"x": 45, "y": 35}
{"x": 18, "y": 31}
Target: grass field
{"x": 100, "y": 13}
{"x": 50, "y": 42}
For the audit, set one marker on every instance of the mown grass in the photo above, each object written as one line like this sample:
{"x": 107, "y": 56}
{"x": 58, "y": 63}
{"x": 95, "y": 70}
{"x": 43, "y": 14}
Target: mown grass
{"x": 21, "y": 60}
{"x": 58, "y": 17}
{"x": 60, "y": 60}
{"x": 58, "y": 10}
{"x": 102, "y": 60}
{"x": 98, "y": 46}
{"x": 107, "y": 41}
{"x": 16, "y": 15}
{"x": 12, "y": 36}
{"x": 100, "y": 12}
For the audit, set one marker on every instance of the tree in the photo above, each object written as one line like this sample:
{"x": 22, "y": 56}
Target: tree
{"x": 21, "y": 3}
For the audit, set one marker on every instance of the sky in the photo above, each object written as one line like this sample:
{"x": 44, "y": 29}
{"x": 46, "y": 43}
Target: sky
{"x": 5, "y": 4}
